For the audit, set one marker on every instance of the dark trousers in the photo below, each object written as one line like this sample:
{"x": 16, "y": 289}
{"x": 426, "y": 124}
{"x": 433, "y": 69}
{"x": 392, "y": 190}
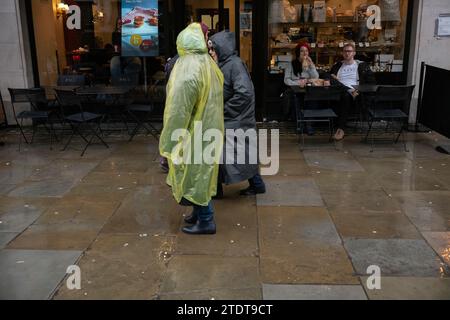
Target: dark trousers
{"x": 346, "y": 104}
{"x": 204, "y": 213}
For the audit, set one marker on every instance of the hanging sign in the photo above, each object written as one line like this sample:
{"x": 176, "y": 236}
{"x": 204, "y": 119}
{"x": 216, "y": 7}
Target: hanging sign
{"x": 140, "y": 28}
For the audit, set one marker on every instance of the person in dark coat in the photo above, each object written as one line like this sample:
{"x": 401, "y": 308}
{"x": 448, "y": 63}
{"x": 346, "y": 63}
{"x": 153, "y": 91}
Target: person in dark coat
{"x": 239, "y": 111}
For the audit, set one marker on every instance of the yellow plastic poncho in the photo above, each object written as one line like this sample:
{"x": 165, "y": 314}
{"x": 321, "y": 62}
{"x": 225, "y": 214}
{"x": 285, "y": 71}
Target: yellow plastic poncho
{"x": 194, "y": 93}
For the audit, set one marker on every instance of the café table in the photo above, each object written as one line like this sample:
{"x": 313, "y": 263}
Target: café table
{"x": 110, "y": 90}
{"x": 112, "y": 106}
{"x": 50, "y": 90}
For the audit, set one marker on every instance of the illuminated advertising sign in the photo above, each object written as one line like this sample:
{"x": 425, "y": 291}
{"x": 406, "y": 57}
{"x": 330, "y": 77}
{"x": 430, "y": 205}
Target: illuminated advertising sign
{"x": 140, "y": 28}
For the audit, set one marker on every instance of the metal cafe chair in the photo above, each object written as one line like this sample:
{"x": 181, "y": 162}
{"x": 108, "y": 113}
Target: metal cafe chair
{"x": 72, "y": 110}
{"x": 390, "y": 105}
{"x": 39, "y": 112}
{"x": 43, "y": 112}
{"x": 141, "y": 114}
{"x": 318, "y": 107}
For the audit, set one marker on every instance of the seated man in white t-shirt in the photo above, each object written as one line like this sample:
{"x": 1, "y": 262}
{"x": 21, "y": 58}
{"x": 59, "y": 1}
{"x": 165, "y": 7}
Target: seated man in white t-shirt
{"x": 349, "y": 73}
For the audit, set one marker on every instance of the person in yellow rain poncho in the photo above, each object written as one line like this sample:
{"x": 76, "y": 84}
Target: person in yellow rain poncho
{"x": 193, "y": 125}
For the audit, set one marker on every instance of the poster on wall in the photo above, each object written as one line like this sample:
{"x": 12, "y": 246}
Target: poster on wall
{"x": 140, "y": 28}
{"x": 245, "y": 20}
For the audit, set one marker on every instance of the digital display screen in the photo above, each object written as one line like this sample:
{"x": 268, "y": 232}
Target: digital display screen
{"x": 140, "y": 36}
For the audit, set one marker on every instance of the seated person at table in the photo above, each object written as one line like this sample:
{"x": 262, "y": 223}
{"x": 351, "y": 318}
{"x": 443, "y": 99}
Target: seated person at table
{"x": 349, "y": 73}
{"x": 302, "y": 67}
{"x": 129, "y": 67}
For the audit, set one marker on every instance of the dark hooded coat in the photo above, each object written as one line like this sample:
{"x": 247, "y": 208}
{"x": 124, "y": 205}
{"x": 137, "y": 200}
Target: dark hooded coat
{"x": 239, "y": 105}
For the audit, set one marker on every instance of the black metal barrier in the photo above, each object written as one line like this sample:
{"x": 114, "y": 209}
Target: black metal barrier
{"x": 434, "y": 101}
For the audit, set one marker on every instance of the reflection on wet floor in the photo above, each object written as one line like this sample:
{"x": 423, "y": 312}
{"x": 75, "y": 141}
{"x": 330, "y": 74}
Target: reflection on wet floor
{"x": 328, "y": 215}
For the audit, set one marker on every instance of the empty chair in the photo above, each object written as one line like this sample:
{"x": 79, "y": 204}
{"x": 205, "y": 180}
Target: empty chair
{"x": 38, "y": 113}
{"x": 318, "y": 107}
{"x": 43, "y": 112}
{"x": 72, "y": 110}
{"x": 391, "y": 105}
{"x": 141, "y": 114}
{"x": 3, "y": 119}
{"x": 71, "y": 80}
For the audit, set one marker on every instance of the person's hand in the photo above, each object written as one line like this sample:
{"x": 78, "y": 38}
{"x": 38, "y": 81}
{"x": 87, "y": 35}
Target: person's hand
{"x": 302, "y": 83}
{"x": 355, "y": 93}
{"x": 334, "y": 77}
{"x": 307, "y": 62}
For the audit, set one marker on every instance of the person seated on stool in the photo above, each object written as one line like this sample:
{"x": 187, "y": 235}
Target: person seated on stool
{"x": 299, "y": 71}
{"x": 349, "y": 73}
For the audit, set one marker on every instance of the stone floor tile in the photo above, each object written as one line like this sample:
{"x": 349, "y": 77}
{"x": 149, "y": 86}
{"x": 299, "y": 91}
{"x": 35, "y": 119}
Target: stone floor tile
{"x": 289, "y": 192}
{"x": 395, "y": 257}
{"x": 122, "y": 266}
{"x": 313, "y": 292}
{"x": 185, "y": 273}
{"x": 33, "y": 274}
{"x": 408, "y": 288}
{"x": 440, "y": 242}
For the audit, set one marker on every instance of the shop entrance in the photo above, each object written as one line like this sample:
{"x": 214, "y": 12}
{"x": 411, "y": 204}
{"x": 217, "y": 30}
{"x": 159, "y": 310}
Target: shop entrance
{"x": 232, "y": 15}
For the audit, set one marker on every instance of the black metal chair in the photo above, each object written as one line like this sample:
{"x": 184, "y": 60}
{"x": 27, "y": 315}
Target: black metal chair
{"x": 3, "y": 119}
{"x": 38, "y": 113}
{"x": 72, "y": 109}
{"x": 141, "y": 114}
{"x": 43, "y": 112}
{"x": 71, "y": 80}
{"x": 391, "y": 105}
{"x": 318, "y": 107}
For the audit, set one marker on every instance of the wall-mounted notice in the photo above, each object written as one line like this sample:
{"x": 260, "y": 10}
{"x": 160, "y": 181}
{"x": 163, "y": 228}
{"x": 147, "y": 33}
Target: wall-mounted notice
{"x": 443, "y": 26}
{"x": 140, "y": 28}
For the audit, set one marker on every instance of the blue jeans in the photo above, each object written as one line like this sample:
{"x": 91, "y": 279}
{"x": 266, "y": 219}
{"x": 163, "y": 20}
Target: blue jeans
{"x": 205, "y": 214}
{"x": 257, "y": 182}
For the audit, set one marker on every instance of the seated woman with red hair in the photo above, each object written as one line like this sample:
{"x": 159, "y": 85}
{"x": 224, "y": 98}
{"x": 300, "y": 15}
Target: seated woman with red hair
{"x": 300, "y": 68}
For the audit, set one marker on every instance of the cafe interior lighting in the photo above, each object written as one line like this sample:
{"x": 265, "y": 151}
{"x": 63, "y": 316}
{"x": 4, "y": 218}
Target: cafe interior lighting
{"x": 62, "y": 9}
{"x": 98, "y": 14}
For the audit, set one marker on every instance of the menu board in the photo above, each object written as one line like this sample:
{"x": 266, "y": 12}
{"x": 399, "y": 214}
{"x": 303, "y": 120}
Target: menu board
{"x": 140, "y": 28}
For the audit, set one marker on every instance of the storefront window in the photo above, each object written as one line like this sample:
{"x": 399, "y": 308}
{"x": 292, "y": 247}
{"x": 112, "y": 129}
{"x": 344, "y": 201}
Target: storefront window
{"x": 208, "y": 12}
{"x": 85, "y": 37}
{"x": 376, "y": 27}
{"x": 246, "y": 32}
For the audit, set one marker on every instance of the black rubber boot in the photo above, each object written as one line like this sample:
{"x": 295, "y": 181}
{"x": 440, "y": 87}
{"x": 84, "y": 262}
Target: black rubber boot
{"x": 201, "y": 227}
{"x": 251, "y": 191}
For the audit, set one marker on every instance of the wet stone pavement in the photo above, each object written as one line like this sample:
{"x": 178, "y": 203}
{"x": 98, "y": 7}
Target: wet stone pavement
{"x": 328, "y": 215}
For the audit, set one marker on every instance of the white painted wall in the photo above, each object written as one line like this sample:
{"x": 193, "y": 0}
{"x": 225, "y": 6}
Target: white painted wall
{"x": 16, "y": 70}
{"x": 424, "y": 45}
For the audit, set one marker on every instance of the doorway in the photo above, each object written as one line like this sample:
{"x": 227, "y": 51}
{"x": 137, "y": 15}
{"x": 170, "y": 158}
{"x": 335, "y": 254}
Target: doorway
{"x": 233, "y": 15}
